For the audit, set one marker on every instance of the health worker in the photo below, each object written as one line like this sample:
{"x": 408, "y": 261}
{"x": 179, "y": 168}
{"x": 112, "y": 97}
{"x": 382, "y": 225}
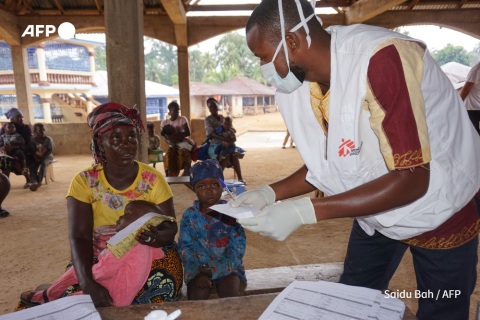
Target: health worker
{"x": 384, "y": 134}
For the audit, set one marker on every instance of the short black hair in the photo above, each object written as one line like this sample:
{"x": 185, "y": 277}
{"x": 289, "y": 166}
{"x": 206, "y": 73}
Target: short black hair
{"x": 7, "y": 124}
{"x": 211, "y": 99}
{"x": 228, "y": 118}
{"x": 267, "y": 18}
{"x": 173, "y": 104}
{"x": 37, "y": 125}
{"x": 150, "y": 126}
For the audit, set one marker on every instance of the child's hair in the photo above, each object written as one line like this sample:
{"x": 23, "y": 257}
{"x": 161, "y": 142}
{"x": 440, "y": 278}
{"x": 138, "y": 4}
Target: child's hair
{"x": 228, "y": 119}
{"x": 205, "y": 169}
{"x": 150, "y": 126}
{"x": 37, "y": 125}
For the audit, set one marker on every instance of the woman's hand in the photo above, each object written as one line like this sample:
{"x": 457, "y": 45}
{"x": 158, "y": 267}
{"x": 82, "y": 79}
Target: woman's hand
{"x": 157, "y": 236}
{"x": 99, "y": 294}
{"x": 203, "y": 281}
{"x": 205, "y": 269}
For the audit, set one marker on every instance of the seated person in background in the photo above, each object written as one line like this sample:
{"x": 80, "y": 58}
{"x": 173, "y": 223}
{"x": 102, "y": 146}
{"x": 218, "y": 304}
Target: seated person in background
{"x": 12, "y": 144}
{"x": 153, "y": 140}
{"x": 122, "y": 277}
{"x": 177, "y": 159}
{"x": 8, "y": 165}
{"x": 4, "y": 189}
{"x": 227, "y": 147}
{"x": 185, "y": 144}
{"x": 212, "y": 245}
{"x": 42, "y": 147}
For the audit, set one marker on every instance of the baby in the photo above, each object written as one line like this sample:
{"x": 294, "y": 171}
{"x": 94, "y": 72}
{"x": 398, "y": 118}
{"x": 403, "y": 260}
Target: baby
{"x": 123, "y": 278}
{"x": 212, "y": 245}
{"x": 186, "y": 143}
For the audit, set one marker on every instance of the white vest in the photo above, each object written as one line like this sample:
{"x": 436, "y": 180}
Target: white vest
{"x": 454, "y": 144}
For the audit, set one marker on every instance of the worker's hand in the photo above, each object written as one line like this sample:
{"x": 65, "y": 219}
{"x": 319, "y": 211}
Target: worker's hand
{"x": 279, "y": 220}
{"x": 259, "y": 198}
{"x": 99, "y": 294}
{"x": 203, "y": 281}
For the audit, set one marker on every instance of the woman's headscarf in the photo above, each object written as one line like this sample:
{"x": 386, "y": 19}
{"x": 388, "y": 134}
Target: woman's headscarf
{"x": 12, "y": 113}
{"x": 205, "y": 169}
{"x": 107, "y": 117}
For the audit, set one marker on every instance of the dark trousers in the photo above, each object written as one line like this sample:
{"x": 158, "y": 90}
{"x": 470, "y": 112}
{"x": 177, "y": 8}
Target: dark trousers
{"x": 474, "y": 116}
{"x": 17, "y": 152}
{"x": 37, "y": 175}
{"x": 371, "y": 262}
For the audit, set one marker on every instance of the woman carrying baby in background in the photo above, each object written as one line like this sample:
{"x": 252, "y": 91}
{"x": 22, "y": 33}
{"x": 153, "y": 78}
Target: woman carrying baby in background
{"x": 176, "y": 158}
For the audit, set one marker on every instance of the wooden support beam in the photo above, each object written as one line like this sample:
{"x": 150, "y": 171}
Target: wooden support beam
{"x": 29, "y": 7}
{"x": 99, "y": 7}
{"x": 461, "y": 3}
{"x": 181, "y": 35}
{"x": 59, "y": 6}
{"x": 252, "y": 6}
{"x": 366, "y": 9}
{"x": 175, "y": 11}
{"x": 9, "y": 28}
{"x": 412, "y": 4}
{"x": 466, "y": 21}
{"x": 69, "y": 12}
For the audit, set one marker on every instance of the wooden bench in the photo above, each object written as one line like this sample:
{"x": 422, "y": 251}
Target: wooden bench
{"x": 241, "y": 308}
{"x": 185, "y": 180}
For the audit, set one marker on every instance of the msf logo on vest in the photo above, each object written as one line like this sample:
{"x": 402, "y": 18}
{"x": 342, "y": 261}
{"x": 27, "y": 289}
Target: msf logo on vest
{"x": 347, "y": 147}
{"x": 66, "y": 30}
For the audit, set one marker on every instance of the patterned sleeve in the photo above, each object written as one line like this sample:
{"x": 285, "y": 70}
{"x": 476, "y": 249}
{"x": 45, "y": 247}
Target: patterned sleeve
{"x": 187, "y": 247}
{"x": 157, "y": 142}
{"x": 79, "y": 189}
{"x": 209, "y": 126}
{"x": 396, "y": 104}
{"x": 19, "y": 140}
{"x": 233, "y": 256}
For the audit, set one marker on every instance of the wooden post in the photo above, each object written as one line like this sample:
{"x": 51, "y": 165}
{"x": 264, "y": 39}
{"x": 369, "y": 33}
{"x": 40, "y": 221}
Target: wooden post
{"x": 22, "y": 83}
{"x": 125, "y": 58}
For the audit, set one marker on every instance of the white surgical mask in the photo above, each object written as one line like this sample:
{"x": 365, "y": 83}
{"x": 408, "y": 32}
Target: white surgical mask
{"x": 290, "y": 83}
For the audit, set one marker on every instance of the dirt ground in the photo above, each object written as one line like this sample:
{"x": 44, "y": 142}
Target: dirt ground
{"x": 34, "y": 247}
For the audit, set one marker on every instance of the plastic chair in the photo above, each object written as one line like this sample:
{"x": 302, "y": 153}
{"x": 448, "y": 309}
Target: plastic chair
{"x": 156, "y": 156}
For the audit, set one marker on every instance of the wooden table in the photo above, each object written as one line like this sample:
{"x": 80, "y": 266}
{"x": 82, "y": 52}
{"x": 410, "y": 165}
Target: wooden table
{"x": 179, "y": 180}
{"x": 241, "y": 308}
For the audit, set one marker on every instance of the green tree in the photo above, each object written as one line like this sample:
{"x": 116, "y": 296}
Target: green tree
{"x": 100, "y": 58}
{"x": 453, "y": 53}
{"x": 222, "y": 76}
{"x": 232, "y": 51}
{"x": 153, "y": 71}
{"x": 165, "y": 56}
{"x": 196, "y": 65}
{"x": 209, "y": 63}
{"x": 400, "y": 30}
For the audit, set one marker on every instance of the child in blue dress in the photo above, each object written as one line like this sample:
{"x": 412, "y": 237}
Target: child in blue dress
{"x": 212, "y": 245}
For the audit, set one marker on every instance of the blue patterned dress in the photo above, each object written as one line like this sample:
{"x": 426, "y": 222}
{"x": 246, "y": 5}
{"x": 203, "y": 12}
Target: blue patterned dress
{"x": 219, "y": 243}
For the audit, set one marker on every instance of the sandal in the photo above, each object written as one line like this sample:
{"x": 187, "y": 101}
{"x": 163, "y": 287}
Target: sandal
{"x": 28, "y": 300}
{"x": 3, "y": 213}
{"x": 27, "y": 185}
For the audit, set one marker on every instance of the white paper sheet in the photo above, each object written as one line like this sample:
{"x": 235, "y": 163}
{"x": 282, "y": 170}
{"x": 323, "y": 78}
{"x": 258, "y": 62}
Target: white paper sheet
{"x": 68, "y": 308}
{"x": 331, "y": 301}
{"x": 237, "y": 213}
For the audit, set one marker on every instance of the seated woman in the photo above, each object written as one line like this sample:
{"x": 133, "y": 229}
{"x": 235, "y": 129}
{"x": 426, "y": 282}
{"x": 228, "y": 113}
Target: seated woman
{"x": 4, "y": 190}
{"x": 123, "y": 277}
{"x": 176, "y": 159}
{"x": 213, "y": 123}
{"x": 42, "y": 147}
{"x": 97, "y": 198}
{"x": 14, "y": 165}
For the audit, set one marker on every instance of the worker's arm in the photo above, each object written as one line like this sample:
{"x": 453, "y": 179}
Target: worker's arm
{"x": 466, "y": 89}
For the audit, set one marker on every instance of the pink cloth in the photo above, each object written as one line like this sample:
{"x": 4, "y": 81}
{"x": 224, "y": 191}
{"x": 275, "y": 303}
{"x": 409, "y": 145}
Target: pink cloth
{"x": 123, "y": 278}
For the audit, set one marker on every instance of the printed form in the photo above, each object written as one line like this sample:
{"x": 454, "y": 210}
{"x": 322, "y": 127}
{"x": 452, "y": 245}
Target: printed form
{"x": 312, "y": 300}
{"x": 68, "y": 308}
{"x": 124, "y": 240}
{"x": 237, "y": 213}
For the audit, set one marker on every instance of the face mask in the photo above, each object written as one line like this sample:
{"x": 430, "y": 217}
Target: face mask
{"x": 290, "y": 83}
